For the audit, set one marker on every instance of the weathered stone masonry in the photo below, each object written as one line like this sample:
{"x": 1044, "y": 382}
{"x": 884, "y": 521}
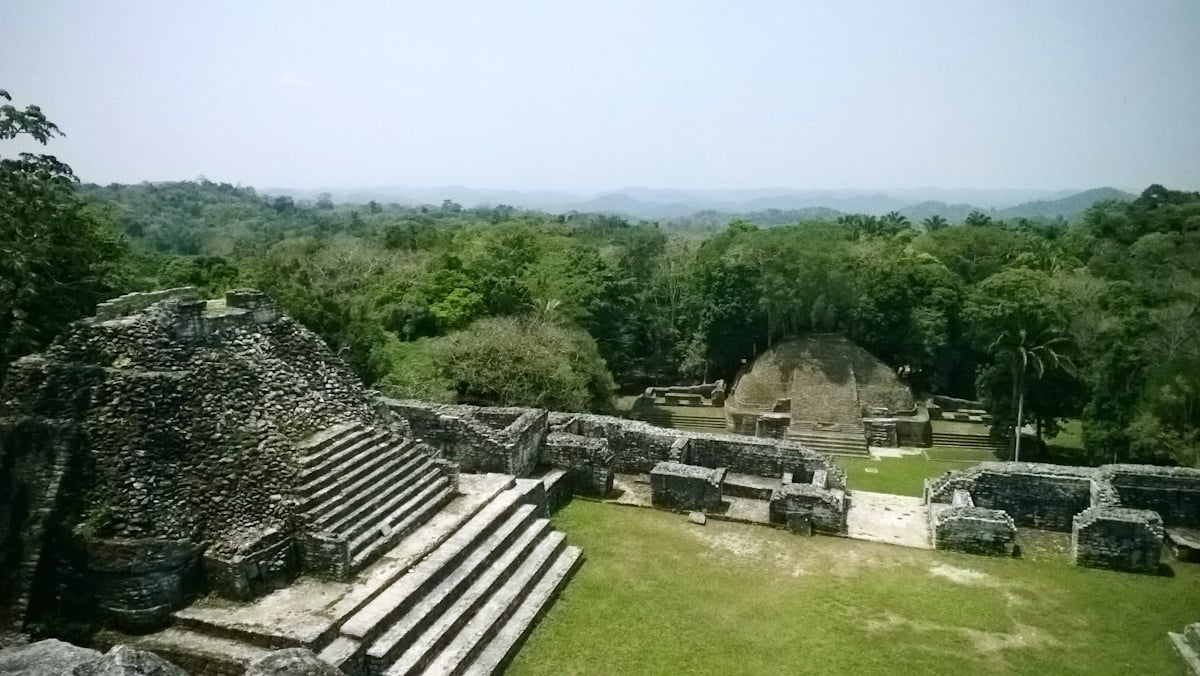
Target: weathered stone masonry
{"x": 164, "y": 419}
{"x": 1115, "y": 513}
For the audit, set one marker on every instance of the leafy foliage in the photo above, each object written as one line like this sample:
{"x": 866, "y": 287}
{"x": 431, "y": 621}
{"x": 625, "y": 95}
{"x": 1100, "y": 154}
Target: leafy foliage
{"x": 58, "y": 255}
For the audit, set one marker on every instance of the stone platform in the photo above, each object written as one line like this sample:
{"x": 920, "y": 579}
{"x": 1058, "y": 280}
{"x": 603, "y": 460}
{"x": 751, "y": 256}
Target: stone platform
{"x": 457, "y": 595}
{"x": 875, "y": 517}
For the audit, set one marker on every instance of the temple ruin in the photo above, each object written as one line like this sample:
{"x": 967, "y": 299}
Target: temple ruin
{"x": 827, "y": 393}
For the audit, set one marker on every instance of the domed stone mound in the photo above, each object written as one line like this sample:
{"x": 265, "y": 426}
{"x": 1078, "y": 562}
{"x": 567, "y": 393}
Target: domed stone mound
{"x": 157, "y": 440}
{"x": 818, "y": 382}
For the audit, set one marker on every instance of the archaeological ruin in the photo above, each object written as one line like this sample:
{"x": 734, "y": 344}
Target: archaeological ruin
{"x": 827, "y": 393}
{"x": 206, "y": 480}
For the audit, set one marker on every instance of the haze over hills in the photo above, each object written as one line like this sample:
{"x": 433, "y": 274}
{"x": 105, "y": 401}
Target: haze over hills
{"x": 671, "y": 204}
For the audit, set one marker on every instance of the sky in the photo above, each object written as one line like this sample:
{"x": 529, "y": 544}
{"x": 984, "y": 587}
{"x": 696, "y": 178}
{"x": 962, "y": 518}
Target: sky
{"x": 589, "y": 96}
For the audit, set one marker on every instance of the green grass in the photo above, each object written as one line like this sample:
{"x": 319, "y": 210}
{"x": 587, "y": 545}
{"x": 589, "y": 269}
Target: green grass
{"x": 899, "y": 476}
{"x": 959, "y": 454}
{"x": 657, "y": 595}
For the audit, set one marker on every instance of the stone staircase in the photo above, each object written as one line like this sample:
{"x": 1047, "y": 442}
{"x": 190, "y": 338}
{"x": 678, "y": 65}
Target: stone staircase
{"x": 457, "y": 596}
{"x": 692, "y": 423}
{"x": 465, "y": 607}
{"x": 976, "y": 441}
{"x": 838, "y": 439}
{"x": 362, "y": 489}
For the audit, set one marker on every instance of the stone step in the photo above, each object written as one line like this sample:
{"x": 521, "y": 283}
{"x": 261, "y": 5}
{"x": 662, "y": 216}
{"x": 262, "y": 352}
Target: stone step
{"x": 408, "y": 518}
{"x": 200, "y": 653}
{"x": 332, "y": 448}
{"x": 495, "y": 655}
{"x": 349, "y": 477}
{"x": 467, "y": 584}
{"x": 968, "y": 441}
{"x": 312, "y": 478}
{"x": 363, "y": 509}
{"x": 467, "y": 643}
{"x": 357, "y": 498}
{"x": 369, "y": 621}
{"x": 832, "y": 444}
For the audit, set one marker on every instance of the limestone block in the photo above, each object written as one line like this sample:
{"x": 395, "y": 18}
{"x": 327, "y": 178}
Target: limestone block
{"x": 686, "y": 487}
{"x": 1119, "y": 539}
{"x": 963, "y": 527}
{"x": 825, "y": 508}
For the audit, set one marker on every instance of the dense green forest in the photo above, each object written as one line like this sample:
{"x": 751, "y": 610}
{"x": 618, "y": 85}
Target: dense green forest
{"x": 1095, "y": 319}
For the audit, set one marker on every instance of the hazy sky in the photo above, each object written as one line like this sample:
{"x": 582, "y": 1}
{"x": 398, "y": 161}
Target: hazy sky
{"x": 596, "y": 95}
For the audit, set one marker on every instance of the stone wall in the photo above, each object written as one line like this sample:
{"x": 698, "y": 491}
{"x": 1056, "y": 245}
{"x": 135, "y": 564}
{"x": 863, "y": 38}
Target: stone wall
{"x": 638, "y": 447}
{"x": 963, "y": 527}
{"x": 135, "y": 584}
{"x": 1119, "y": 539}
{"x": 674, "y": 485}
{"x": 823, "y": 509}
{"x": 262, "y": 560}
{"x": 130, "y": 303}
{"x": 1036, "y": 495}
{"x": 1173, "y": 492}
{"x": 588, "y": 460}
{"x": 478, "y": 439}
{"x": 33, "y": 499}
{"x": 1116, "y": 513}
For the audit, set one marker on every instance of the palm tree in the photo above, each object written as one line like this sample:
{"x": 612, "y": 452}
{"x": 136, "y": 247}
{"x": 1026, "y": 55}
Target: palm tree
{"x": 894, "y": 221}
{"x": 977, "y": 219}
{"x": 1030, "y": 349}
{"x": 935, "y": 222}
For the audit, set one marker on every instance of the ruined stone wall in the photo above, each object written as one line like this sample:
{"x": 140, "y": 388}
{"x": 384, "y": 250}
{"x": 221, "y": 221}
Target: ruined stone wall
{"x": 588, "y": 460}
{"x": 136, "y": 583}
{"x": 963, "y": 527}
{"x": 1036, "y": 495}
{"x": 675, "y": 485}
{"x": 478, "y": 439}
{"x": 1173, "y": 492}
{"x": 823, "y": 509}
{"x": 1129, "y": 540}
{"x": 638, "y": 447}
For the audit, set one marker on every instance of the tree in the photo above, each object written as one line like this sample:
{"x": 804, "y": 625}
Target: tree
{"x": 520, "y": 361}
{"x": 977, "y": 219}
{"x": 1012, "y": 312}
{"x": 58, "y": 255}
{"x": 934, "y": 222}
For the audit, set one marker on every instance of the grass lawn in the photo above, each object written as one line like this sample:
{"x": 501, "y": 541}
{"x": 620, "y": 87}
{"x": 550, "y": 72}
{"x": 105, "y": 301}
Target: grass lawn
{"x": 657, "y": 595}
{"x": 901, "y": 476}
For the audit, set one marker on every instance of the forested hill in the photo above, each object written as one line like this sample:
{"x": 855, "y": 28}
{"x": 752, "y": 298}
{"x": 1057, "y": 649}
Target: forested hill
{"x": 697, "y": 209}
{"x": 506, "y": 306}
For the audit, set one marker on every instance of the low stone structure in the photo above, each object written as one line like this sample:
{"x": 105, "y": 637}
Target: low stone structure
{"x": 1184, "y": 543}
{"x": 683, "y": 487}
{"x": 637, "y": 447}
{"x": 963, "y": 527}
{"x": 1112, "y": 511}
{"x": 1035, "y": 495}
{"x": 804, "y": 506}
{"x": 588, "y": 460}
{"x": 1129, "y": 540}
{"x": 477, "y": 438}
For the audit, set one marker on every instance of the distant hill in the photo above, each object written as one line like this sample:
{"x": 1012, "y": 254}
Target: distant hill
{"x": 1067, "y": 207}
{"x": 765, "y": 205}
